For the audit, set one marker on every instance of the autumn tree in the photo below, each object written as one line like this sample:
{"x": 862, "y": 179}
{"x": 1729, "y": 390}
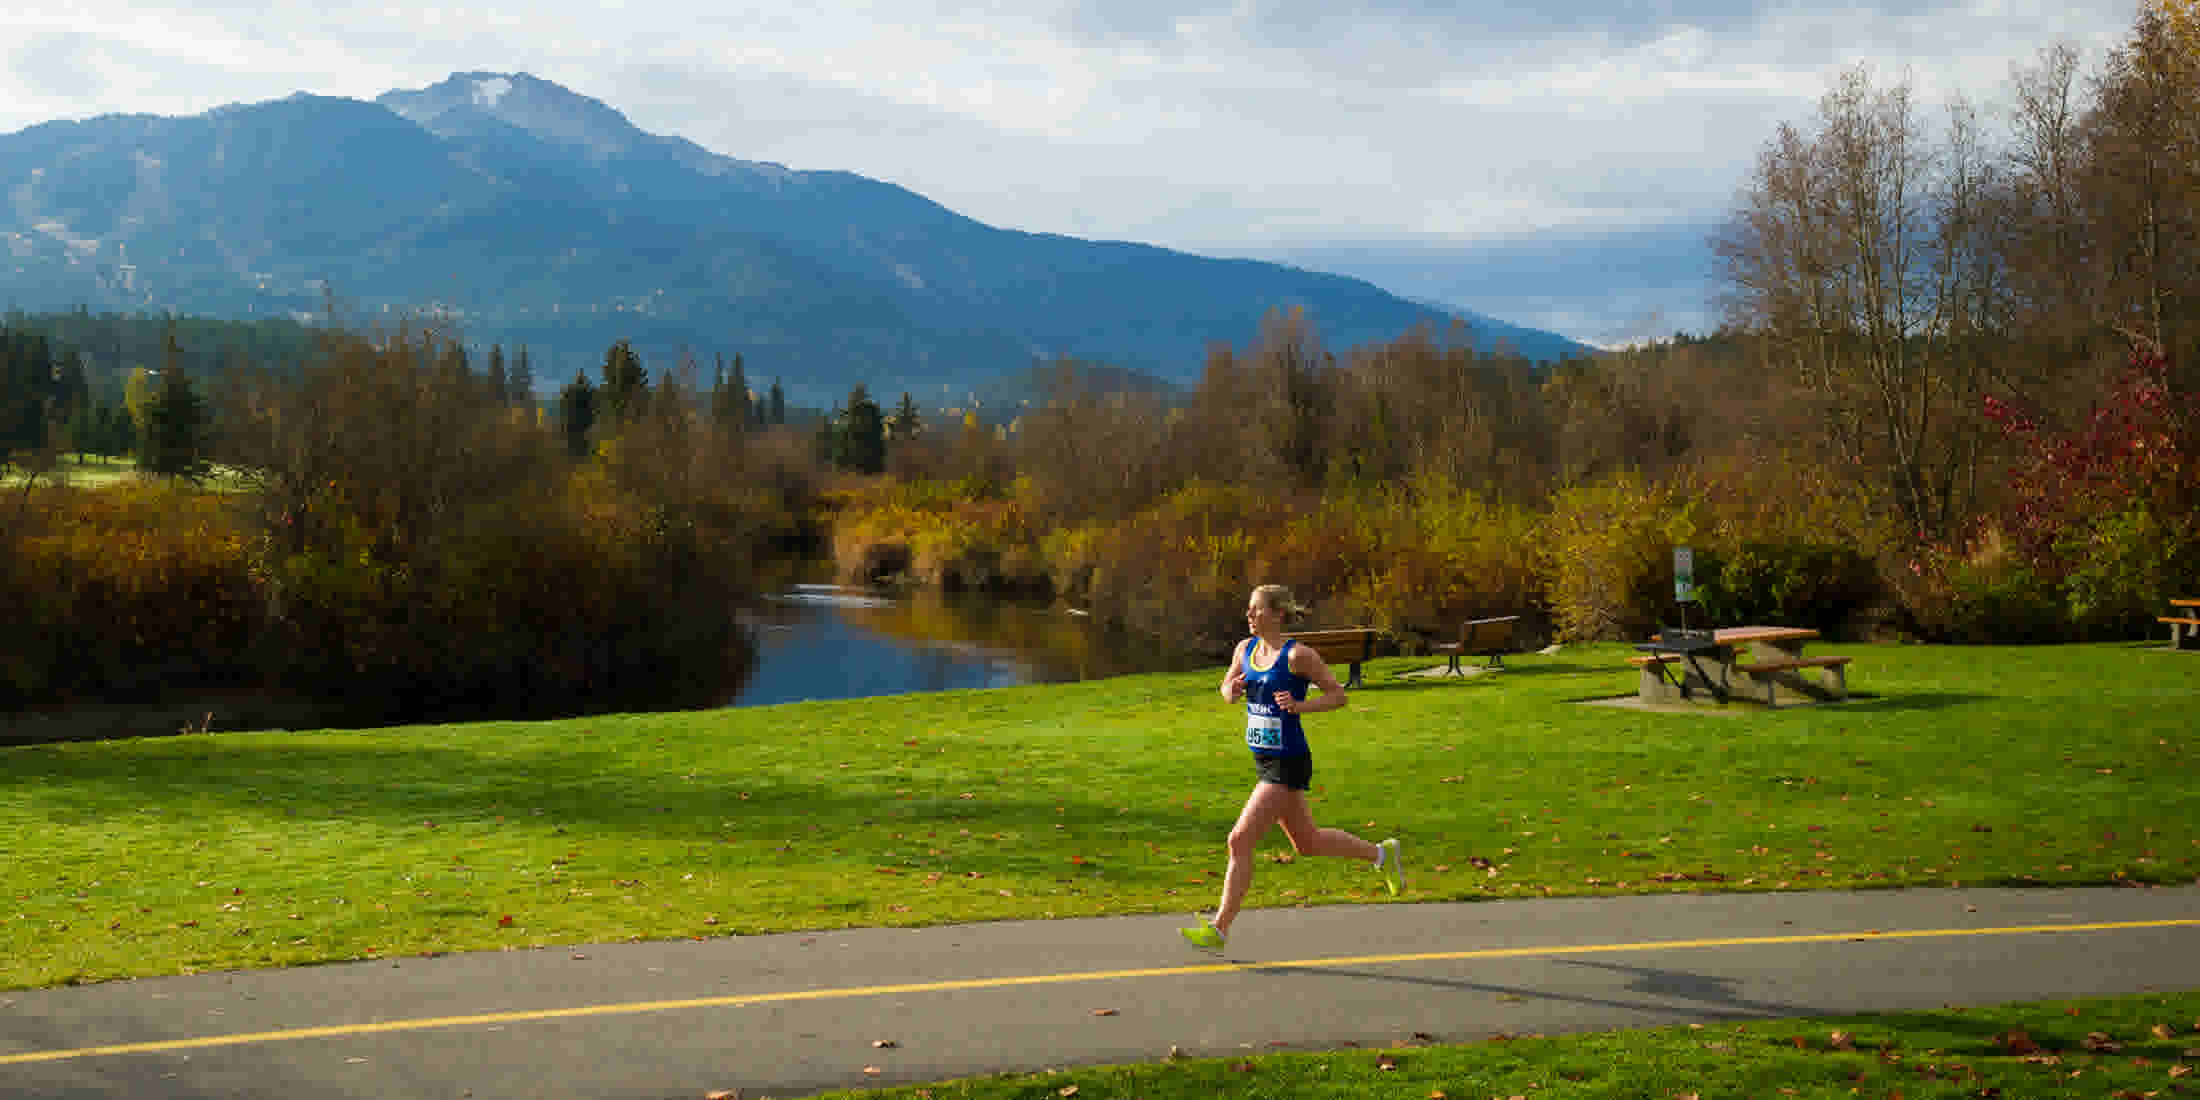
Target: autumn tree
{"x": 1857, "y": 254}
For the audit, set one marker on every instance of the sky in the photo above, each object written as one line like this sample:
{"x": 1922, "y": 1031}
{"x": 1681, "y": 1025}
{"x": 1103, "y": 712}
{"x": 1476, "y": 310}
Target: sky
{"x": 1552, "y": 163}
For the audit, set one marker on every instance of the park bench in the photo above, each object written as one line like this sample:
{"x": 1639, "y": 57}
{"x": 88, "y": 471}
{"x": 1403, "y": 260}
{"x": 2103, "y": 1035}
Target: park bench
{"x": 2183, "y": 623}
{"x": 1351, "y": 645}
{"x": 1491, "y": 638}
{"x": 1835, "y": 684}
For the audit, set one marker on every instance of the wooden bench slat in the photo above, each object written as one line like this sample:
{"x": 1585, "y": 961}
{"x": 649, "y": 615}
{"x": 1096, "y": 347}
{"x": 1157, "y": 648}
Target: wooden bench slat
{"x": 1352, "y": 645}
{"x": 1798, "y": 662}
{"x": 2181, "y": 622}
{"x": 1653, "y": 658}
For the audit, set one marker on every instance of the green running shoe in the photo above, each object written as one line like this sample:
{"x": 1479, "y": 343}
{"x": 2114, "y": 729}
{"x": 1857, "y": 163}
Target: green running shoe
{"x": 1206, "y": 937}
{"x": 1394, "y": 867}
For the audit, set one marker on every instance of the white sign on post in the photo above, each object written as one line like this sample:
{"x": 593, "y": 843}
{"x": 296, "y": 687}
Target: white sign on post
{"x": 1684, "y": 574}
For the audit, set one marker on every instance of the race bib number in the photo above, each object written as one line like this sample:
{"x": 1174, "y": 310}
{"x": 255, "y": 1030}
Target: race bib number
{"x": 1264, "y": 732}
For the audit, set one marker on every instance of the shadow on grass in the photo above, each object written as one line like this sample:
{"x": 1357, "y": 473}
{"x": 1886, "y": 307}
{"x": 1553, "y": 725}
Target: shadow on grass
{"x": 595, "y": 789}
{"x": 1917, "y": 701}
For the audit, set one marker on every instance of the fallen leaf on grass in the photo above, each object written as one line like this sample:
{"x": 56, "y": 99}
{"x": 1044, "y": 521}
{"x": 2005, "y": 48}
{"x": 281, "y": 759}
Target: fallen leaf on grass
{"x": 2016, "y": 1042}
{"x": 2179, "y": 1071}
{"x": 1066, "y": 1090}
{"x": 2162, "y": 1031}
{"x": 2100, "y": 1043}
{"x": 1386, "y": 1063}
{"x": 1840, "y": 1040}
{"x": 504, "y": 921}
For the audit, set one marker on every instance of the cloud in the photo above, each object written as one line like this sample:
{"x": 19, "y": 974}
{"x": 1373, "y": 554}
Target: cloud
{"x": 1238, "y": 127}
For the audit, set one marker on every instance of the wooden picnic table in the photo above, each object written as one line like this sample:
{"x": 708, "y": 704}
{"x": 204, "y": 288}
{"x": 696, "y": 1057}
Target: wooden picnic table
{"x": 2184, "y": 623}
{"x": 1680, "y": 663}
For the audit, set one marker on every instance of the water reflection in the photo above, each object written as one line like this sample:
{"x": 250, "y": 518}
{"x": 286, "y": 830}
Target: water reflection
{"x": 816, "y": 641}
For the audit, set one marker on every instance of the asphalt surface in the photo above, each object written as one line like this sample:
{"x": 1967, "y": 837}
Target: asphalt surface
{"x": 791, "y": 1015}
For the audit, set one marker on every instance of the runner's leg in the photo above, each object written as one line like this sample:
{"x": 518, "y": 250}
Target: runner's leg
{"x": 1297, "y": 820}
{"x": 1262, "y": 809}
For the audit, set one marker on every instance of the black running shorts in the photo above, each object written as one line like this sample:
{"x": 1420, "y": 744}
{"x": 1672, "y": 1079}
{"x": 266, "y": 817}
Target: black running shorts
{"x": 1295, "y": 772}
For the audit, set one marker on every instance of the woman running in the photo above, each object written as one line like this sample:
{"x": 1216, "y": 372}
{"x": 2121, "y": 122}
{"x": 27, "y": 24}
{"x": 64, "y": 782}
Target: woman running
{"x": 1272, "y": 674}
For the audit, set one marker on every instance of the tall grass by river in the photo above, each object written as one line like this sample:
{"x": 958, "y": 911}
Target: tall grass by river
{"x": 2057, "y": 765}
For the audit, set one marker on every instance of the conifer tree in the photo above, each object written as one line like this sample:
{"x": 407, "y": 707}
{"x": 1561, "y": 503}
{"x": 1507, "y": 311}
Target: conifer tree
{"x": 906, "y": 423}
{"x": 500, "y": 384}
{"x": 521, "y": 385}
{"x": 740, "y": 385}
{"x": 577, "y": 413}
{"x": 175, "y": 427}
{"x": 862, "y": 434}
{"x": 625, "y": 383}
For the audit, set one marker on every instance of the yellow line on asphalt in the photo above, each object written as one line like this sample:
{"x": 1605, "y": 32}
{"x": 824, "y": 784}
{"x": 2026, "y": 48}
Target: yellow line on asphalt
{"x": 733, "y": 1000}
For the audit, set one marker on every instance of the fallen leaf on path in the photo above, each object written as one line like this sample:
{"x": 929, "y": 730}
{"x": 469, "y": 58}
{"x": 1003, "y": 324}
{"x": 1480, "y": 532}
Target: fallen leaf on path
{"x": 872, "y": 1071}
{"x": 1103, "y": 1012}
{"x": 884, "y": 1044}
{"x": 723, "y": 1094}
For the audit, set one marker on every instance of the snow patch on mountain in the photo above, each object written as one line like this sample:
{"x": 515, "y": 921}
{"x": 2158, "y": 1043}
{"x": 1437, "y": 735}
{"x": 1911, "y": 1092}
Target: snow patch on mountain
{"x": 487, "y": 92}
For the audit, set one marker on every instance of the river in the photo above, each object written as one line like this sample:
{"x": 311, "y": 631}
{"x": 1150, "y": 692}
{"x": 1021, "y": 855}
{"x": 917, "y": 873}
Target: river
{"x": 820, "y": 641}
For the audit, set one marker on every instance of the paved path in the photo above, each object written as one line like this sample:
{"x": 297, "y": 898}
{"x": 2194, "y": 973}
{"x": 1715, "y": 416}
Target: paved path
{"x": 796, "y": 1014}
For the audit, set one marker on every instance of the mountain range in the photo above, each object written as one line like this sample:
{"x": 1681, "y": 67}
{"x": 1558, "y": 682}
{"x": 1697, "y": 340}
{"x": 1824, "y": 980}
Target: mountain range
{"x": 528, "y": 214}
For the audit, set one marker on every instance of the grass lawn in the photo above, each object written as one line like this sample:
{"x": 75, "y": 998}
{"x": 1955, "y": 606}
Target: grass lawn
{"x": 85, "y": 472}
{"x": 2124, "y": 1047}
{"x": 2053, "y": 765}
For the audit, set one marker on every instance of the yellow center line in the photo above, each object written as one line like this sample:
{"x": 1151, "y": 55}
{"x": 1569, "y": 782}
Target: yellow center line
{"x": 732, "y": 1000}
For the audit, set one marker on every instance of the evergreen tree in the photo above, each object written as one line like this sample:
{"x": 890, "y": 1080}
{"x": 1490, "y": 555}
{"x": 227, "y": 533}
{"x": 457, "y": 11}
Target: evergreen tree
{"x": 740, "y": 385}
{"x": 500, "y": 385}
{"x": 776, "y": 408}
{"x": 625, "y": 383}
{"x": 862, "y": 434}
{"x": 906, "y": 423}
{"x": 728, "y": 407}
{"x": 175, "y": 427}
{"x": 577, "y": 414}
{"x": 521, "y": 385}
{"x": 26, "y": 390}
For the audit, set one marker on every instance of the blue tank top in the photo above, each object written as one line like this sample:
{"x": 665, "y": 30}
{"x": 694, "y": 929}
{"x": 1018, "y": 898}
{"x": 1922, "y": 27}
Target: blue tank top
{"x": 1270, "y": 731}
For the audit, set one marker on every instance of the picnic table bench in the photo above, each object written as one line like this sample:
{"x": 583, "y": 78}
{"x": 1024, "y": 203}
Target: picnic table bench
{"x": 1677, "y": 663}
{"x": 1349, "y": 644}
{"x": 1491, "y": 638}
{"x": 2184, "y": 623}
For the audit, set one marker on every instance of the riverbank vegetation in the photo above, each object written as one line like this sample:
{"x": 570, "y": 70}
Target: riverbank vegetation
{"x": 398, "y": 531}
{"x": 1958, "y": 401}
{"x": 2052, "y": 765}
